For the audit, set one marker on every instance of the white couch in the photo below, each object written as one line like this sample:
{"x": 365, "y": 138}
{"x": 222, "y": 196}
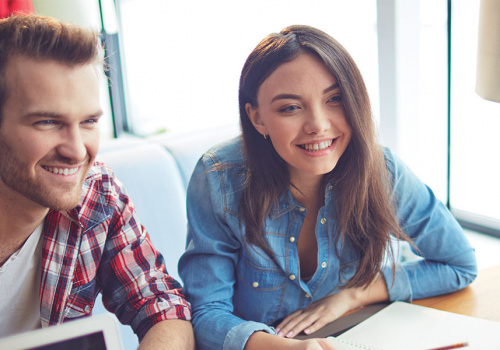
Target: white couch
{"x": 156, "y": 171}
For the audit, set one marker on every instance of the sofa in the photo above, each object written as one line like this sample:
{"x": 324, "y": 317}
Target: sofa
{"x": 156, "y": 172}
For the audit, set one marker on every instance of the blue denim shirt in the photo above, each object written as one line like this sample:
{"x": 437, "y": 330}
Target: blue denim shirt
{"x": 236, "y": 289}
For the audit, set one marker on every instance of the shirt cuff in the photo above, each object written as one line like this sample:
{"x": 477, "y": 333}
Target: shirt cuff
{"x": 238, "y": 336}
{"x": 399, "y": 288}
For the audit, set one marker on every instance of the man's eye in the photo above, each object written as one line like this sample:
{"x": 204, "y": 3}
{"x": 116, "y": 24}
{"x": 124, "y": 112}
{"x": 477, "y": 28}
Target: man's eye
{"x": 91, "y": 121}
{"x": 46, "y": 122}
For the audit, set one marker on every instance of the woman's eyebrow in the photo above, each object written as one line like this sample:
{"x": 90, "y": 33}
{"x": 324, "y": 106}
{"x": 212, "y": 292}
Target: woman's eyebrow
{"x": 297, "y": 97}
{"x": 285, "y": 97}
{"x": 331, "y": 88}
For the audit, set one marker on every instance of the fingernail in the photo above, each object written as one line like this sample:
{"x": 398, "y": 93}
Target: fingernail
{"x": 278, "y": 330}
{"x": 289, "y": 334}
{"x": 307, "y": 331}
{"x": 280, "y": 334}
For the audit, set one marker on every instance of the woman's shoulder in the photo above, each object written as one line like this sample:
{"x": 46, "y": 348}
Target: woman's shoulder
{"x": 228, "y": 152}
{"x": 392, "y": 161}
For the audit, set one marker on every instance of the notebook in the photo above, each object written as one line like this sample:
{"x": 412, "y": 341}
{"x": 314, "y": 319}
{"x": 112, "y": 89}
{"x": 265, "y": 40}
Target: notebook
{"x": 412, "y": 327}
{"x": 91, "y": 333}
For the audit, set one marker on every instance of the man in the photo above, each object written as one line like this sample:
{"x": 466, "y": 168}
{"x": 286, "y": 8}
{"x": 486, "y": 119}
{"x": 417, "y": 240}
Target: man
{"x": 67, "y": 227}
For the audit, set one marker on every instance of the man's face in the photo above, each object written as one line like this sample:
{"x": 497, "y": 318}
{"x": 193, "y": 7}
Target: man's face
{"x": 48, "y": 134}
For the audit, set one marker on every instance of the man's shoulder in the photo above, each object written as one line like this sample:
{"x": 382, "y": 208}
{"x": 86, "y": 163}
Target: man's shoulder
{"x": 102, "y": 182}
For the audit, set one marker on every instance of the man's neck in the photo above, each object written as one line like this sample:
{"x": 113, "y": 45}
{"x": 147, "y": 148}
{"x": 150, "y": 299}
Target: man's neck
{"x": 17, "y": 222}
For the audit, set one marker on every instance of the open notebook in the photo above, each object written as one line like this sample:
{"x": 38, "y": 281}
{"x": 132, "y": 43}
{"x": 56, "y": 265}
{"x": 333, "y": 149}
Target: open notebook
{"x": 91, "y": 333}
{"x": 404, "y": 326}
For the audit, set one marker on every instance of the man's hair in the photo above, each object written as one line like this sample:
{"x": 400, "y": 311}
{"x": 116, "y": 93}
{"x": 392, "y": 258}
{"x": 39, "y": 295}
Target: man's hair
{"x": 44, "y": 38}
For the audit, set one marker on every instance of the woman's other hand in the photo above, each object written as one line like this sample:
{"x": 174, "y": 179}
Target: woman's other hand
{"x": 318, "y": 314}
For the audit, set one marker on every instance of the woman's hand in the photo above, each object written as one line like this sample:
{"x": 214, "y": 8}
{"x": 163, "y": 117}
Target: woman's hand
{"x": 263, "y": 341}
{"x": 314, "y": 316}
{"x": 318, "y": 314}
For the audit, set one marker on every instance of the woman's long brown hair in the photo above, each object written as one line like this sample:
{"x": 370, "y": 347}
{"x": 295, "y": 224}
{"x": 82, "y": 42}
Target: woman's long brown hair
{"x": 365, "y": 211}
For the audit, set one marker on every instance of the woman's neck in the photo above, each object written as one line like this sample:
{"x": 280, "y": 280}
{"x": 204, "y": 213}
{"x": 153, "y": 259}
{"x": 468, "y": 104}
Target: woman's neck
{"x": 306, "y": 190}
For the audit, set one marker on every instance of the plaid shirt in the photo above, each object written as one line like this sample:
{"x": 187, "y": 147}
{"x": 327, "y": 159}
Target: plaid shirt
{"x": 100, "y": 246}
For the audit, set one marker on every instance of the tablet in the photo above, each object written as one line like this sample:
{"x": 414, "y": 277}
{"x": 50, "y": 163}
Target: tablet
{"x": 91, "y": 333}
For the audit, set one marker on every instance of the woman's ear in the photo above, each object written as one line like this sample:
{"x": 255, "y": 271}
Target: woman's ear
{"x": 254, "y": 116}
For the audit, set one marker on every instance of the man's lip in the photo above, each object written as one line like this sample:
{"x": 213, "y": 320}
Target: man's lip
{"x": 62, "y": 170}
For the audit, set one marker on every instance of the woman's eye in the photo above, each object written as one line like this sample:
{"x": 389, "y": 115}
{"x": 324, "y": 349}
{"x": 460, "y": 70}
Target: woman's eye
{"x": 288, "y": 109}
{"x": 335, "y": 99}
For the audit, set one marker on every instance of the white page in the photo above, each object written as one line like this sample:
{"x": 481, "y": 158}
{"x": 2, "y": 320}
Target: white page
{"x": 412, "y": 327}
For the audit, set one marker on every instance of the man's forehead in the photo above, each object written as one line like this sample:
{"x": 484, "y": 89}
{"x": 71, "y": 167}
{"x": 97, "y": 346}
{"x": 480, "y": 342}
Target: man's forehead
{"x": 50, "y": 87}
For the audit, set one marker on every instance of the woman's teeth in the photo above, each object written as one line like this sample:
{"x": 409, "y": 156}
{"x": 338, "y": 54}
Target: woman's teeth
{"x": 317, "y": 146}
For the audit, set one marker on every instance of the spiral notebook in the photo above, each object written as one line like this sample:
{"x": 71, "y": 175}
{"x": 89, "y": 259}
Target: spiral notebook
{"x": 412, "y": 327}
{"x": 341, "y": 344}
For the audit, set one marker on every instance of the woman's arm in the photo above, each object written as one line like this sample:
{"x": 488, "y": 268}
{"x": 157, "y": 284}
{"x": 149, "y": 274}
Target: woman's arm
{"x": 448, "y": 261}
{"x": 207, "y": 268}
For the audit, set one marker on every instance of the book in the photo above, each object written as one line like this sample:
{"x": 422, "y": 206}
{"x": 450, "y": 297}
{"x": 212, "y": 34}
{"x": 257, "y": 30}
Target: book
{"x": 405, "y": 326}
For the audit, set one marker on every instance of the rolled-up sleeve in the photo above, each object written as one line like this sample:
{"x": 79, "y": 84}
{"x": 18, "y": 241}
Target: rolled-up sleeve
{"x": 136, "y": 284}
{"x": 448, "y": 261}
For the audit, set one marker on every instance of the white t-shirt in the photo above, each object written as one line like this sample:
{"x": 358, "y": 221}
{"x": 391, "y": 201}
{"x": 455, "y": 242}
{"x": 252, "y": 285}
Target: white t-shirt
{"x": 20, "y": 287}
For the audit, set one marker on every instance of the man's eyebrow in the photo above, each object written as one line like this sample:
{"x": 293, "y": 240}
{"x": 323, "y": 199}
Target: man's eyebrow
{"x": 53, "y": 115}
{"x": 40, "y": 114}
{"x": 97, "y": 114}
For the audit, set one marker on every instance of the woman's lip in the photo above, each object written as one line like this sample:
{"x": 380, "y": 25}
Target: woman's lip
{"x": 317, "y": 145}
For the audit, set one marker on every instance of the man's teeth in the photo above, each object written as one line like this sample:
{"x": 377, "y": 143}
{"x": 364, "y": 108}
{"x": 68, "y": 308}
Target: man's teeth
{"x": 317, "y": 146}
{"x": 62, "y": 171}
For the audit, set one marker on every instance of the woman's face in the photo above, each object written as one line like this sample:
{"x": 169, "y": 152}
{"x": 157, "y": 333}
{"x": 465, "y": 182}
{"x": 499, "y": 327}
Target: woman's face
{"x": 299, "y": 107}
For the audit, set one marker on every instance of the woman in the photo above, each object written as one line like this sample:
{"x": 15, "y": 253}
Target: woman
{"x": 289, "y": 227}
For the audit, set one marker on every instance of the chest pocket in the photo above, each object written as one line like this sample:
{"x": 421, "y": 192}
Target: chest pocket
{"x": 81, "y": 300}
{"x": 259, "y": 287}
{"x": 84, "y": 289}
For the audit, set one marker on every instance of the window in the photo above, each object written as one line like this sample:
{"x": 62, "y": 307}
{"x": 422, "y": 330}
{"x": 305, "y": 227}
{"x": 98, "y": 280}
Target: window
{"x": 183, "y": 58}
{"x": 182, "y": 62}
{"x": 475, "y": 125}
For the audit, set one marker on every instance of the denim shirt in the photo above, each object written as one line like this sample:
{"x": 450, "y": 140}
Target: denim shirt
{"x": 236, "y": 289}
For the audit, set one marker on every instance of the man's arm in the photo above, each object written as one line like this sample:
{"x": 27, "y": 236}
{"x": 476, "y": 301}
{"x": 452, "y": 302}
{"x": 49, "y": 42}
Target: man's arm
{"x": 169, "y": 334}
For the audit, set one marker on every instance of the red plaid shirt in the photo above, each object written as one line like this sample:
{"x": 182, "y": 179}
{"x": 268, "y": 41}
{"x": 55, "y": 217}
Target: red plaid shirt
{"x": 101, "y": 247}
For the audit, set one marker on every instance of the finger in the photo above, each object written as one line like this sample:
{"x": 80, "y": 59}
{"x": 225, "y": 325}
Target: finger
{"x": 285, "y": 324}
{"x": 320, "y": 323}
{"x": 286, "y": 328}
{"x": 303, "y": 324}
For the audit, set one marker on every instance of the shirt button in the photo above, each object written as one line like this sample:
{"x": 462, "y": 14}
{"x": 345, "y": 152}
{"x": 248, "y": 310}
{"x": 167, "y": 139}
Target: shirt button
{"x": 307, "y": 295}
{"x": 292, "y": 277}
{"x": 86, "y": 308}
{"x": 302, "y": 209}
{"x": 323, "y": 264}
{"x": 255, "y": 284}
{"x": 292, "y": 239}
{"x": 323, "y": 220}
{"x": 330, "y": 187}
